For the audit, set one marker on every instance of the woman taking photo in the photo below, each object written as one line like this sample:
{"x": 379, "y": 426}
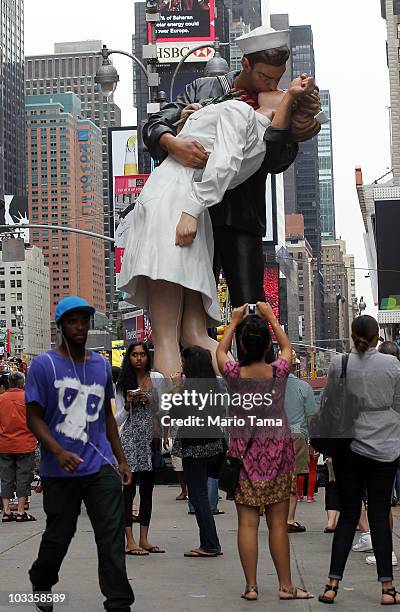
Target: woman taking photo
{"x": 202, "y": 455}
{"x": 137, "y": 405}
{"x": 265, "y": 479}
{"x": 369, "y": 462}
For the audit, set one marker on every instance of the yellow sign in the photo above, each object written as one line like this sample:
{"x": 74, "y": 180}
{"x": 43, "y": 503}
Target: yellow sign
{"x": 118, "y": 351}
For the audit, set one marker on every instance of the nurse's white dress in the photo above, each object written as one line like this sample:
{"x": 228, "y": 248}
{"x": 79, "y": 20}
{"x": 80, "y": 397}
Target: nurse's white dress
{"x": 232, "y": 132}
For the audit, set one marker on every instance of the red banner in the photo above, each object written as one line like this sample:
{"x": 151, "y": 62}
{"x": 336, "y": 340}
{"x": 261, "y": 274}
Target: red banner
{"x": 119, "y": 253}
{"x": 130, "y": 184}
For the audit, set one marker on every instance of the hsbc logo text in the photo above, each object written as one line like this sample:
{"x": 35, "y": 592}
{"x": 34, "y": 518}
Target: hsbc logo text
{"x": 174, "y": 52}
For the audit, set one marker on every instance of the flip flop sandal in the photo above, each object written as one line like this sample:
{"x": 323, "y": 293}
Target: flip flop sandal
{"x": 392, "y": 592}
{"x": 155, "y": 549}
{"x": 24, "y": 518}
{"x": 294, "y": 594}
{"x": 296, "y": 528}
{"x": 8, "y": 518}
{"x": 137, "y": 553}
{"x": 199, "y": 553}
{"x": 250, "y": 589}
{"x": 328, "y": 600}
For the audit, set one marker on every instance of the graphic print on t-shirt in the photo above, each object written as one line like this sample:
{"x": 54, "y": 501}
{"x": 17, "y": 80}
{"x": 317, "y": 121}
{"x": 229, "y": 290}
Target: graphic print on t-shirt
{"x": 81, "y": 404}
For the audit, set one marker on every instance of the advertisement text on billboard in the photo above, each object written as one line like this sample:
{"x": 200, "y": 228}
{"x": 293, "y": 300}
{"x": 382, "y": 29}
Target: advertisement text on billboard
{"x": 189, "y": 20}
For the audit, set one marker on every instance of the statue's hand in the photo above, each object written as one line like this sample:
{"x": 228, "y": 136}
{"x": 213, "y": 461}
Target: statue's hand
{"x": 186, "y": 230}
{"x": 304, "y": 127}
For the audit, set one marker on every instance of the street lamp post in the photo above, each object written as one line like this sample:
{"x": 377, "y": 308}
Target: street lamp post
{"x": 107, "y": 75}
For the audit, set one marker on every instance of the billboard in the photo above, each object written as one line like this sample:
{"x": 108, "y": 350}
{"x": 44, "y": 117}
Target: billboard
{"x": 125, "y": 184}
{"x": 185, "y": 21}
{"x": 387, "y": 231}
{"x": 134, "y": 327}
{"x": 14, "y": 211}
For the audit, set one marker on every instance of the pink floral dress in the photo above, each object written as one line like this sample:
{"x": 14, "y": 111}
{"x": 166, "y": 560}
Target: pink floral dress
{"x": 268, "y": 466}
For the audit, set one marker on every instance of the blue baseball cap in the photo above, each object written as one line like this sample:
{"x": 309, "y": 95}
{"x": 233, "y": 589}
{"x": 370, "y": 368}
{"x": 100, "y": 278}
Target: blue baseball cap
{"x": 71, "y": 303}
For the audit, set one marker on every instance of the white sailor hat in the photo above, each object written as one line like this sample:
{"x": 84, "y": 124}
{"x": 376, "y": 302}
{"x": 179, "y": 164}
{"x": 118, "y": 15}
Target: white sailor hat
{"x": 262, "y": 39}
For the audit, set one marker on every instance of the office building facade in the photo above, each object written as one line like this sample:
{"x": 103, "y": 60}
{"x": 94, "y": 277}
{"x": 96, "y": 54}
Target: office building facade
{"x": 72, "y": 68}
{"x": 65, "y": 188}
{"x": 380, "y": 201}
{"x": 339, "y": 294}
{"x": 25, "y": 304}
{"x": 12, "y": 100}
{"x": 300, "y": 249}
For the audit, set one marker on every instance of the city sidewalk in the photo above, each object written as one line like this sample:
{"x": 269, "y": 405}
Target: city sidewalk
{"x": 172, "y": 583}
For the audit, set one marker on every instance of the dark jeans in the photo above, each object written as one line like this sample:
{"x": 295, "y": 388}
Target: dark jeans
{"x": 62, "y": 499}
{"x": 146, "y": 486}
{"x": 240, "y": 255}
{"x": 353, "y": 474}
{"x": 196, "y": 474}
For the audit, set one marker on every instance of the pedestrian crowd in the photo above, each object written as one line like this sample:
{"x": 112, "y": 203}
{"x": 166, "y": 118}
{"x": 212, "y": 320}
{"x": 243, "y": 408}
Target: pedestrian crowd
{"x": 88, "y": 449}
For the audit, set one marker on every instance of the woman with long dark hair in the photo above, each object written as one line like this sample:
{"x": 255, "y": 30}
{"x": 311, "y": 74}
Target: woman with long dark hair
{"x": 202, "y": 455}
{"x": 136, "y": 416}
{"x": 268, "y": 459}
{"x": 370, "y": 461}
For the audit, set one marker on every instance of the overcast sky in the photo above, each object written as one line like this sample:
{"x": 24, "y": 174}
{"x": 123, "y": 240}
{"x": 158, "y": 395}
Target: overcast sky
{"x": 350, "y": 62}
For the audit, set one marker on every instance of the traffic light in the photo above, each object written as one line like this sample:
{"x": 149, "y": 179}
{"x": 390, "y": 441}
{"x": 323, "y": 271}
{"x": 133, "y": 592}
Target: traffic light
{"x": 220, "y": 332}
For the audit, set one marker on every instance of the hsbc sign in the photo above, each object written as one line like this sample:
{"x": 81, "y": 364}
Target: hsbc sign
{"x": 173, "y": 52}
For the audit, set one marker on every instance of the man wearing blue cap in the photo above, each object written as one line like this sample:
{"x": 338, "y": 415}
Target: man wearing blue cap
{"x": 68, "y": 393}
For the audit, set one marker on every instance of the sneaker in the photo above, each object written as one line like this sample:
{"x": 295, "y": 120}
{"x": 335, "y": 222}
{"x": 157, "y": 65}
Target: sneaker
{"x": 310, "y": 500}
{"x": 372, "y": 561}
{"x": 364, "y": 543}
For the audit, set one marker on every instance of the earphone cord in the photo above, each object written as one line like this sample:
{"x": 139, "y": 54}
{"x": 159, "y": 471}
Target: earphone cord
{"x": 84, "y": 383}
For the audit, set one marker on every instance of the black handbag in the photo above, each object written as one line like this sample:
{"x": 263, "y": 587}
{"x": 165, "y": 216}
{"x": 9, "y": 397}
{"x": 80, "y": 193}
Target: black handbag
{"x": 332, "y": 428}
{"x": 230, "y": 472}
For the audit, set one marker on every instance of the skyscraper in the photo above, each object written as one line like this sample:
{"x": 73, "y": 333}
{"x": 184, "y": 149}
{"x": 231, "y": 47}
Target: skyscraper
{"x": 326, "y": 184}
{"x": 245, "y": 16}
{"x": 72, "y": 68}
{"x": 306, "y": 164}
{"x": 301, "y": 180}
{"x": 65, "y": 188}
{"x": 12, "y": 99}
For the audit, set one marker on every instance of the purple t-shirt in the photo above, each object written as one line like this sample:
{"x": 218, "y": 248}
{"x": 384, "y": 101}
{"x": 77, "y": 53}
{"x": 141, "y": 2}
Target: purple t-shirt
{"x": 73, "y": 409}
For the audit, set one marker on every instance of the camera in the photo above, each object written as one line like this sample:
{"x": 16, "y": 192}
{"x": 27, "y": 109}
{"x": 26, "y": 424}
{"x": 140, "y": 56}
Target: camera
{"x": 251, "y": 309}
